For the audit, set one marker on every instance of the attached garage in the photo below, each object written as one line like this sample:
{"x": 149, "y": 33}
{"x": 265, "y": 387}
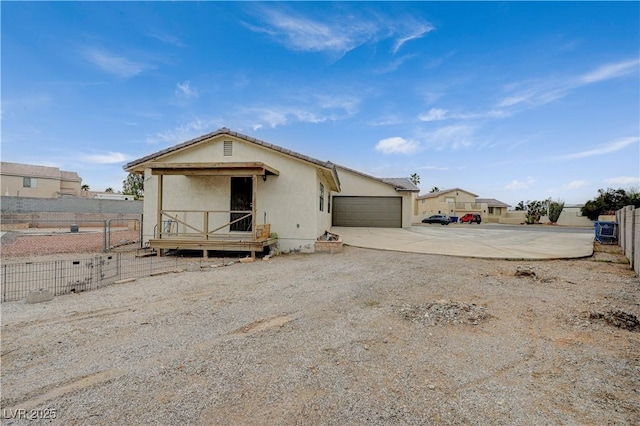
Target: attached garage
{"x": 373, "y": 212}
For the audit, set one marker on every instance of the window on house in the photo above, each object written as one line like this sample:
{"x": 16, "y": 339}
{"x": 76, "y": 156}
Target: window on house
{"x": 329, "y": 202}
{"x": 490, "y": 210}
{"x": 228, "y": 148}
{"x": 29, "y": 182}
{"x": 321, "y": 197}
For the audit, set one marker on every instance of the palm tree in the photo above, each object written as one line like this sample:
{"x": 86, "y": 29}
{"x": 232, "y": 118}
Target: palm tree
{"x": 435, "y": 189}
{"x": 415, "y": 179}
{"x": 84, "y": 187}
{"x": 109, "y": 190}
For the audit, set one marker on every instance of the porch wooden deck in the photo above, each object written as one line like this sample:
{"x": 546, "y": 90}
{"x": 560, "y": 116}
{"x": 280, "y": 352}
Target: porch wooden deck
{"x": 218, "y": 243}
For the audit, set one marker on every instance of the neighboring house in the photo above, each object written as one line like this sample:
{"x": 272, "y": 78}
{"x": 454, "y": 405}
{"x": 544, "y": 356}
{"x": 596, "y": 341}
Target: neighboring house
{"x": 229, "y": 191}
{"x": 495, "y": 209}
{"x": 27, "y": 180}
{"x": 452, "y": 202}
{"x": 458, "y": 202}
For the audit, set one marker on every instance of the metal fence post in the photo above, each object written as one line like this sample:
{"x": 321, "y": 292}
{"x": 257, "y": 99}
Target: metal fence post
{"x": 106, "y": 249}
{"x": 57, "y": 272}
{"x": 4, "y": 283}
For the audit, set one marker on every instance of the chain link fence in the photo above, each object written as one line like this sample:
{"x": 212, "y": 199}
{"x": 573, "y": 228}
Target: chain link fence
{"x": 90, "y": 273}
{"x": 56, "y": 236}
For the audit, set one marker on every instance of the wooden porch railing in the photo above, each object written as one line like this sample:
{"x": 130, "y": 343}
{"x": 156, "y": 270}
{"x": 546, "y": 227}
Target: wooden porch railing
{"x": 172, "y": 224}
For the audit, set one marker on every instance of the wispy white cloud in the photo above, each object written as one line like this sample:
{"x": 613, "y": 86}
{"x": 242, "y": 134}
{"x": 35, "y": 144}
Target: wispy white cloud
{"x": 386, "y": 120}
{"x": 414, "y": 31}
{"x": 517, "y": 185}
{"x": 185, "y": 132}
{"x": 607, "y": 148}
{"x": 185, "y": 91}
{"x": 114, "y": 64}
{"x": 576, "y": 184}
{"x": 454, "y": 137}
{"x": 543, "y": 91}
{"x": 166, "y": 38}
{"x": 434, "y": 114}
{"x": 271, "y": 117}
{"x": 276, "y": 116}
{"x": 106, "y": 158}
{"x": 338, "y": 33}
{"x": 397, "y": 145}
{"x": 439, "y": 168}
{"x": 394, "y": 65}
{"x": 624, "y": 181}
{"x": 609, "y": 71}
{"x": 313, "y": 108}
{"x": 493, "y": 113}
{"x": 439, "y": 114}
{"x": 346, "y": 103}
{"x": 299, "y": 33}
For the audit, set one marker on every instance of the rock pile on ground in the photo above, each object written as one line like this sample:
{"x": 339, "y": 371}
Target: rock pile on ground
{"x": 444, "y": 312}
{"x": 618, "y": 319}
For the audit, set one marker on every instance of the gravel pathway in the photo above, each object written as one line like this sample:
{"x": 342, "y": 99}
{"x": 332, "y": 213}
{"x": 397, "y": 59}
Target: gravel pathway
{"x": 337, "y": 340}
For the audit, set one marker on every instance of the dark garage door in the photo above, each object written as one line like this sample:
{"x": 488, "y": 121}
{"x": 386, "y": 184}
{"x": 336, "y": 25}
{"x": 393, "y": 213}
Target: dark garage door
{"x": 374, "y": 212}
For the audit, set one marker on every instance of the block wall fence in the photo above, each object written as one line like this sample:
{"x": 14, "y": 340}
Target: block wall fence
{"x": 628, "y": 219}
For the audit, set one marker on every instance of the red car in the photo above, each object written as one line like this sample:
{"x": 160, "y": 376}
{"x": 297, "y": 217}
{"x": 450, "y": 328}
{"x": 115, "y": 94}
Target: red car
{"x": 471, "y": 217}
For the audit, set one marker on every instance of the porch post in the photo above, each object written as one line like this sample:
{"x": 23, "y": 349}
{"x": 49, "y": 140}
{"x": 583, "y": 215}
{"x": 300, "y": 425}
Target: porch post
{"x": 159, "y": 211}
{"x": 205, "y": 226}
{"x": 254, "y": 215}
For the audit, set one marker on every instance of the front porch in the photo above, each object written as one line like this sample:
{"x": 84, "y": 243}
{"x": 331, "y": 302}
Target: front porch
{"x": 220, "y": 243}
{"x": 213, "y": 230}
{"x": 178, "y": 232}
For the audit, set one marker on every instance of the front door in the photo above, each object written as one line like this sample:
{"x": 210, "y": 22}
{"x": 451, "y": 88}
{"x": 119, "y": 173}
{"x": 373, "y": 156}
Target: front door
{"x": 241, "y": 199}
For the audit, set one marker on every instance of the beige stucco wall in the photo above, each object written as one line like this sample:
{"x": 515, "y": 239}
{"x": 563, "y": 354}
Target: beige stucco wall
{"x": 46, "y": 188}
{"x": 70, "y": 187}
{"x": 513, "y": 217}
{"x": 289, "y": 202}
{"x": 353, "y": 184}
{"x": 571, "y": 216}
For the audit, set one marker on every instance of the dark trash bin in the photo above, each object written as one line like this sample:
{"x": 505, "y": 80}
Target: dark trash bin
{"x": 74, "y": 228}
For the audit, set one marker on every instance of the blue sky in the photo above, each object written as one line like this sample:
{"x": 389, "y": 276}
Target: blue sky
{"x": 514, "y": 101}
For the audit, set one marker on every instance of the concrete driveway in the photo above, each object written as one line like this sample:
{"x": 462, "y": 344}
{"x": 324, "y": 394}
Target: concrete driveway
{"x": 485, "y": 241}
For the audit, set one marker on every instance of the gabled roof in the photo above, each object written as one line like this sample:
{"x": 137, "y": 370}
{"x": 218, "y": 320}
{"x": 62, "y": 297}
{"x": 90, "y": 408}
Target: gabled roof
{"x": 399, "y": 184}
{"x": 492, "y": 202}
{"x": 444, "y": 191}
{"x": 129, "y": 167}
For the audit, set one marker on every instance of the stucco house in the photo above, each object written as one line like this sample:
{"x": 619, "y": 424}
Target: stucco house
{"x": 373, "y": 202}
{"x": 29, "y": 180}
{"x": 458, "y": 202}
{"x": 496, "y": 209}
{"x": 229, "y": 191}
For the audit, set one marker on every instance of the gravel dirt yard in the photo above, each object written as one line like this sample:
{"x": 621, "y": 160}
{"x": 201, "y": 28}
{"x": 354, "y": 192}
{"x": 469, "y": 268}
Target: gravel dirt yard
{"x": 361, "y": 337}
